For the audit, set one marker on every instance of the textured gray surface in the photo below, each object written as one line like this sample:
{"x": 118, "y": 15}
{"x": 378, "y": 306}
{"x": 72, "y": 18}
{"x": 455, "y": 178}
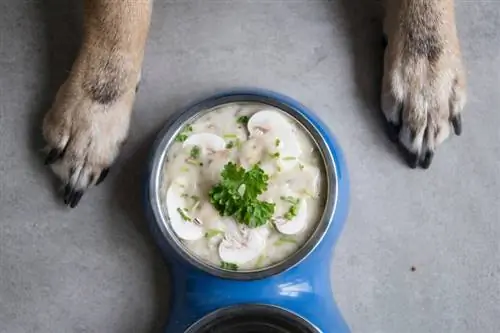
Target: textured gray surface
{"x": 95, "y": 269}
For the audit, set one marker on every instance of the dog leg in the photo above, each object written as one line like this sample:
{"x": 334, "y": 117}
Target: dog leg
{"x": 89, "y": 119}
{"x": 423, "y": 88}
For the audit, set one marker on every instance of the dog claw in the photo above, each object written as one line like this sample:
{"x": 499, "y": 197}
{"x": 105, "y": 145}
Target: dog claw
{"x": 456, "y": 121}
{"x": 102, "y": 176}
{"x": 53, "y": 155}
{"x": 426, "y": 162}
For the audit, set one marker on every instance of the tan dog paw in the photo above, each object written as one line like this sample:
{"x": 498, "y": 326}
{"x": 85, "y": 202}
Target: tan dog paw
{"x": 85, "y": 130}
{"x": 423, "y": 88}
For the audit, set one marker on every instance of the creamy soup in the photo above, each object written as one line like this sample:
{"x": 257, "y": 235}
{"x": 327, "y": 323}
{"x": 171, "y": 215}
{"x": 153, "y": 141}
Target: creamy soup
{"x": 266, "y": 145}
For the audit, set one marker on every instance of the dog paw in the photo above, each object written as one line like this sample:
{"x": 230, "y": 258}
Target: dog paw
{"x": 84, "y": 131}
{"x": 423, "y": 88}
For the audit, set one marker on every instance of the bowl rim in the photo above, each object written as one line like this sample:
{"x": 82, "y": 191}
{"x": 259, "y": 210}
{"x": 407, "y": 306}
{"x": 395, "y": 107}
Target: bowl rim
{"x": 235, "y": 309}
{"x": 174, "y": 126}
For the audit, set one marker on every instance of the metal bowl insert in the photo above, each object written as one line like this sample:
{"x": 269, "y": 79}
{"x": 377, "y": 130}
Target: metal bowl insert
{"x": 167, "y": 137}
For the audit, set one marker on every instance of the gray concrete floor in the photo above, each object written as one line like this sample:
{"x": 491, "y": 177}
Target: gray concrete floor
{"x": 95, "y": 268}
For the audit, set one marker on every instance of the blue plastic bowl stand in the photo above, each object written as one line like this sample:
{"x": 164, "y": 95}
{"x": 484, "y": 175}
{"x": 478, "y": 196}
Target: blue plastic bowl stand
{"x": 304, "y": 289}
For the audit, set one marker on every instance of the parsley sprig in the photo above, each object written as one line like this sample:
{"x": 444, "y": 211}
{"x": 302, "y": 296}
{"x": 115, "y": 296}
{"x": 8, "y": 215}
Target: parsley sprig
{"x": 236, "y": 195}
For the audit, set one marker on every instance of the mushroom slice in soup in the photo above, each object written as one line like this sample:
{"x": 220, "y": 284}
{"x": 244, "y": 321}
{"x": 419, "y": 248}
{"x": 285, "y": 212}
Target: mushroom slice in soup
{"x": 208, "y": 142}
{"x": 266, "y": 121}
{"x": 242, "y": 247}
{"x": 277, "y": 135}
{"x": 295, "y": 223}
{"x": 180, "y": 218}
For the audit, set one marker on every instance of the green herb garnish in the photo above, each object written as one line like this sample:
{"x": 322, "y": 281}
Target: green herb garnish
{"x": 236, "y": 195}
{"x": 229, "y": 266}
{"x": 289, "y": 158}
{"x": 183, "y": 215}
{"x": 237, "y": 143}
{"x": 230, "y": 145}
{"x": 277, "y": 142}
{"x": 213, "y": 232}
{"x": 183, "y": 135}
{"x": 294, "y": 208}
{"x": 230, "y": 136}
{"x": 301, "y": 166}
{"x": 242, "y": 120}
{"x": 275, "y": 155}
{"x": 192, "y": 162}
{"x": 260, "y": 260}
{"x": 195, "y": 152}
{"x": 291, "y": 200}
{"x": 285, "y": 240}
{"x": 292, "y": 212}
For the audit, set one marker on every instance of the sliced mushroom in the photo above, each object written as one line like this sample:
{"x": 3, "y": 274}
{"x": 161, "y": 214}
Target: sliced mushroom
{"x": 208, "y": 142}
{"x": 181, "y": 221}
{"x": 296, "y": 224}
{"x": 277, "y": 136}
{"x": 266, "y": 121}
{"x": 240, "y": 248}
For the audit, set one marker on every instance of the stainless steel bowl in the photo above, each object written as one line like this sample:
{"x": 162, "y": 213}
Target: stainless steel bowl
{"x": 245, "y": 318}
{"x": 167, "y": 137}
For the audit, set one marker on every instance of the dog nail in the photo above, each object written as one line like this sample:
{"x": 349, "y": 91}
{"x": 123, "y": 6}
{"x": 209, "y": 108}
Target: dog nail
{"x": 411, "y": 159}
{"x": 393, "y": 131}
{"x": 103, "y": 175}
{"x": 52, "y": 156}
{"x": 76, "y": 199}
{"x": 456, "y": 121}
{"x": 426, "y": 162}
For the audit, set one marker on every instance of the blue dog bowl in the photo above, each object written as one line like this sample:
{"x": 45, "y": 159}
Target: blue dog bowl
{"x": 291, "y": 296}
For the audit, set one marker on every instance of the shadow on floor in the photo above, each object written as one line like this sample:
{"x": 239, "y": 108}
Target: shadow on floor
{"x": 362, "y": 22}
{"x": 63, "y": 34}
{"x": 128, "y": 191}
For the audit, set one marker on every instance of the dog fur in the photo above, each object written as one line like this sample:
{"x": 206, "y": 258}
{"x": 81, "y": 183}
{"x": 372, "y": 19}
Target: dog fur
{"x": 423, "y": 88}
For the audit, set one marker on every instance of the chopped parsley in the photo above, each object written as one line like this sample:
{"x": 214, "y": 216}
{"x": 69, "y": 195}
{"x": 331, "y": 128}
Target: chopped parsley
{"x": 184, "y": 216}
{"x": 289, "y": 158}
{"x": 212, "y": 233}
{"x": 183, "y": 135}
{"x": 192, "y": 161}
{"x": 294, "y": 208}
{"x": 236, "y": 195}
{"x": 285, "y": 240}
{"x": 292, "y": 212}
{"x": 230, "y": 145}
{"x": 195, "y": 152}
{"x": 291, "y": 200}
{"x": 242, "y": 120}
{"x": 277, "y": 142}
{"x": 229, "y": 266}
{"x": 260, "y": 260}
{"x": 230, "y": 136}
{"x": 275, "y": 155}
{"x": 237, "y": 143}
